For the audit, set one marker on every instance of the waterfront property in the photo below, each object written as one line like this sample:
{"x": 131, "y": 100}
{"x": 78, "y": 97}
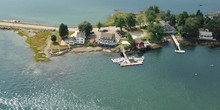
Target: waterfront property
{"x": 80, "y": 37}
{"x": 139, "y": 43}
{"x": 108, "y": 39}
{"x": 70, "y": 40}
{"x": 206, "y": 35}
{"x": 168, "y": 29}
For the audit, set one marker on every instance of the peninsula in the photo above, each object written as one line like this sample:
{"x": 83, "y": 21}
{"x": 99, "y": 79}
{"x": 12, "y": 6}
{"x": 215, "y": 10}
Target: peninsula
{"x": 149, "y": 29}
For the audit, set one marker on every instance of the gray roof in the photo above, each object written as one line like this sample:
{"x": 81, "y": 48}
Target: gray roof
{"x": 205, "y": 33}
{"x": 81, "y": 34}
{"x": 139, "y": 40}
{"x": 105, "y": 34}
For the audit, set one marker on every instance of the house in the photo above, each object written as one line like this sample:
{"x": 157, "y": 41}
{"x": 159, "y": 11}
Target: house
{"x": 70, "y": 40}
{"x": 108, "y": 39}
{"x": 80, "y": 37}
{"x": 206, "y": 35}
{"x": 168, "y": 29}
{"x": 139, "y": 43}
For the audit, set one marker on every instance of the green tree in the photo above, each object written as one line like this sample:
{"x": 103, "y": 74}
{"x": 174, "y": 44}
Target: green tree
{"x": 120, "y": 22}
{"x": 140, "y": 19}
{"x": 99, "y": 25}
{"x": 131, "y": 40}
{"x": 172, "y": 20}
{"x": 216, "y": 29}
{"x": 182, "y": 18}
{"x": 53, "y": 38}
{"x": 191, "y": 27}
{"x": 131, "y": 20}
{"x": 210, "y": 25}
{"x": 199, "y": 13}
{"x": 150, "y": 16}
{"x": 85, "y": 27}
{"x": 63, "y": 31}
{"x": 156, "y": 30}
{"x": 156, "y": 9}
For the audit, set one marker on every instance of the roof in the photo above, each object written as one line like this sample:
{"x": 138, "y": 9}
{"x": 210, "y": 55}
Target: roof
{"x": 205, "y": 33}
{"x": 80, "y": 34}
{"x": 105, "y": 34}
{"x": 138, "y": 40}
{"x": 63, "y": 43}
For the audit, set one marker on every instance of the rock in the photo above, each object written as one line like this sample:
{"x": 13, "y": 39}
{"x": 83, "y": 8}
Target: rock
{"x": 107, "y": 50}
{"x": 155, "y": 46}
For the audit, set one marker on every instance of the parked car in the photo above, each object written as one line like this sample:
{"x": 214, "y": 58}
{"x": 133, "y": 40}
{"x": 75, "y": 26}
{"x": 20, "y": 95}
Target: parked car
{"x": 92, "y": 33}
{"x": 104, "y": 30}
{"x": 120, "y": 33}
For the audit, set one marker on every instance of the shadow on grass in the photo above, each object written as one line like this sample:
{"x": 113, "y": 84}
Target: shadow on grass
{"x": 55, "y": 43}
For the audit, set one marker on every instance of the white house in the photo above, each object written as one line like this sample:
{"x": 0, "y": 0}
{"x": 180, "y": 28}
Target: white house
{"x": 206, "y": 35}
{"x": 168, "y": 29}
{"x": 80, "y": 37}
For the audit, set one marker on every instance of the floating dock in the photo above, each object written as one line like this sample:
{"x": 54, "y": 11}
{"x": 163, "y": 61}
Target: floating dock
{"x": 125, "y": 61}
{"x": 177, "y": 44}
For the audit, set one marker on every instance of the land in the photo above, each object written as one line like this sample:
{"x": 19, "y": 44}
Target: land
{"x": 39, "y": 36}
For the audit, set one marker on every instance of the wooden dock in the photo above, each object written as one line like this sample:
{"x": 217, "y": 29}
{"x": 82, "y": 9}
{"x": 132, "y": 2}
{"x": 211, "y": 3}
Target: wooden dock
{"x": 128, "y": 63}
{"x": 177, "y": 44}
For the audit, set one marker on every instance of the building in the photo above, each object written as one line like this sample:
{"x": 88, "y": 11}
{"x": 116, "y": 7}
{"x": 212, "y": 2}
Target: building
{"x": 206, "y": 35}
{"x": 168, "y": 29}
{"x": 70, "y": 40}
{"x": 108, "y": 39}
{"x": 80, "y": 37}
{"x": 139, "y": 43}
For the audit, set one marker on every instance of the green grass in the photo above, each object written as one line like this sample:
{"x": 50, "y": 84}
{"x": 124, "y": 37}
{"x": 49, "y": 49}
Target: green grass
{"x": 110, "y": 21}
{"x": 37, "y": 43}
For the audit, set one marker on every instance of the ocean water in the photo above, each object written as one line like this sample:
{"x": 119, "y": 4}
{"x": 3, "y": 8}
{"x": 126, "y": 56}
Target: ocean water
{"x": 166, "y": 81}
{"x": 72, "y": 12}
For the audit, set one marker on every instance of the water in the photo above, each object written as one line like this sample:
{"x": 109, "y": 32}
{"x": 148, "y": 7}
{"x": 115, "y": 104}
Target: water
{"x": 72, "y": 12}
{"x": 166, "y": 81}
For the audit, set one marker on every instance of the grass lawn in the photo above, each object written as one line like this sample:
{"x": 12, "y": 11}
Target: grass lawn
{"x": 37, "y": 43}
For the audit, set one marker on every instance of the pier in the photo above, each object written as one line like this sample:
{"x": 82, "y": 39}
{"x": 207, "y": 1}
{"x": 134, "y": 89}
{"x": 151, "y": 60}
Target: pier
{"x": 127, "y": 62}
{"x": 177, "y": 44}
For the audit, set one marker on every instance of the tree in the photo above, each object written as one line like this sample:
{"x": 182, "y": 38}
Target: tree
{"x": 85, "y": 27}
{"x": 150, "y": 16}
{"x": 131, "y": 40}
{"x": 191, "y": 27}
{"x": 172, "y": 20}
{"x": 216, "y": 29}
{"x": 210, "y": 25}
{"x": 199, "y": 13}
{"x": 182, "y": 18}
{"x": 156, "y": 9}
{"x": 140, "y": 19}
{"x": 53, "y": 38}
{"x": 63, "y": 31}
{"x": 156, "y": 30}
{"x": 130, "y": 20}
{"x": 99, "y": 25}
{"x": 120, "y": 22}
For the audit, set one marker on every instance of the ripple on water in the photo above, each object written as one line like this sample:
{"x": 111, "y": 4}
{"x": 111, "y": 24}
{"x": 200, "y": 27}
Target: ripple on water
{"x": 52, "y": 98}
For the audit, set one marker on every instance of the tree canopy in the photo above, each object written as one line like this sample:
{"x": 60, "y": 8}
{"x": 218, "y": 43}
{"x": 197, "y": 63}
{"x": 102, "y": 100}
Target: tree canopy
{"x": 85, "y": 27}
{"x": 172, "y": 20}
{"x": 131, "y": 20}
{"x": 119, "y": 22}
{"x": 99, "y": 25}
{"x": 191, "y": 27}
{"x": 156, "y": 30}
{"x": 140, "y": 19}
{"x": 63, "y": 31}
{"x": 53, "y": 38}
{"x": 182, "y": 18}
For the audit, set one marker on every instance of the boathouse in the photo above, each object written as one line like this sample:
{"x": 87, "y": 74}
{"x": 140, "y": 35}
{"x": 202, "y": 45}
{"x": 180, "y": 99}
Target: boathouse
{"x": 139, "y": 43}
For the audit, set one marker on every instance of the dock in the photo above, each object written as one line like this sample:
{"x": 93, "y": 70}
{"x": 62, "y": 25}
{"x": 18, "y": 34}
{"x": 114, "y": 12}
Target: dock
{"x": 177, "y": 44}
{"x": 127, "y": 61}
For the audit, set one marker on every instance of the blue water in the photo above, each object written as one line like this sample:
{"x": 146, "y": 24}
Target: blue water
{"x": 166, "y": 81}
{"x": 72, "y": 12}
